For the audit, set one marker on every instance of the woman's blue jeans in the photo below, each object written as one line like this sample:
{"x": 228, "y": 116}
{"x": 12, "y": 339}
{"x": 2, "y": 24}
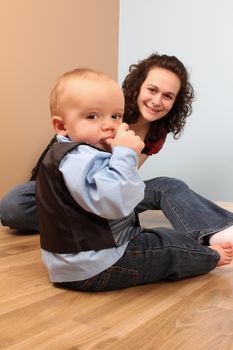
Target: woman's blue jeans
{"x": 156, "y": 254}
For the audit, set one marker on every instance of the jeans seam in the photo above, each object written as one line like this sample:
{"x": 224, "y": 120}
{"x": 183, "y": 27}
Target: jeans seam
{"x": 215, "y": 229}
{"x": 150, "y": 249}
{"x": 173, "y": 208}
{"x": 179, "y": 216}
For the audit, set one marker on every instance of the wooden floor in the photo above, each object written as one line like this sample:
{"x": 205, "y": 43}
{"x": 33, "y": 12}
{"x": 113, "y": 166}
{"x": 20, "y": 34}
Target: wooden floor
{"x": 191, "y": 314}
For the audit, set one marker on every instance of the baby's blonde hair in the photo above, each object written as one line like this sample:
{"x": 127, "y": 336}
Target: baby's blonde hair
{"x": 58, "y": 90}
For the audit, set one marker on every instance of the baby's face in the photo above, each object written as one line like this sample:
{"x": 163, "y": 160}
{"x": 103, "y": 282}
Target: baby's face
{"x": 93, "y": 111}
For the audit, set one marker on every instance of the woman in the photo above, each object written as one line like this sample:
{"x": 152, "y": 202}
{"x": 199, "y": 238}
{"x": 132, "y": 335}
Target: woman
{"x": 158, "y": 98}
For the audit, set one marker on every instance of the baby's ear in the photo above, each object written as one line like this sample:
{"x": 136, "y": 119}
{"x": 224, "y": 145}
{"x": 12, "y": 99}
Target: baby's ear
{"x": 59, "y": 125}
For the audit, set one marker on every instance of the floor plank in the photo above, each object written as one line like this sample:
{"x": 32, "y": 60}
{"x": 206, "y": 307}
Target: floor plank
{"x": 194, "y": 313}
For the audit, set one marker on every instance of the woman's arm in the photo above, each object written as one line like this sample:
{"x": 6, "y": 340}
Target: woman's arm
{"x": 142, "y": 158}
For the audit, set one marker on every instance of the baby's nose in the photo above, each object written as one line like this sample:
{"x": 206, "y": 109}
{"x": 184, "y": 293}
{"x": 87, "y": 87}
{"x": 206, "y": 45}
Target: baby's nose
{"x": 108, "y": 125}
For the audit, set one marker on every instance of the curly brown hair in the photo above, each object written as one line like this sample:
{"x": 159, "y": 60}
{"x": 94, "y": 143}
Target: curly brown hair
{"x": 175, "y": 120}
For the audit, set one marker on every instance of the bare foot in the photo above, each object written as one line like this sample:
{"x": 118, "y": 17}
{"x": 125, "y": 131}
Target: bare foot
{"x": 225, "y": 250}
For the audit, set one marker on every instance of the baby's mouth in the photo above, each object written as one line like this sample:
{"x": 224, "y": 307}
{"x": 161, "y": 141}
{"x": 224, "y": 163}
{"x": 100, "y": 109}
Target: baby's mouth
{"x": 103, "y": 141}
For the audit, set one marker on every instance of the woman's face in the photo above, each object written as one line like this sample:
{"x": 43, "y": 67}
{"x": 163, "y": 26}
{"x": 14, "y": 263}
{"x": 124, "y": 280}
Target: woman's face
{"x": 158, "y": 93}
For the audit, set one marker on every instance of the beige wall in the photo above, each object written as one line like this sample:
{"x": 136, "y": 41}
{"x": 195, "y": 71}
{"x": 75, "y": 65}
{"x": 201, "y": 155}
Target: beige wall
{"x": 41, "y": 39}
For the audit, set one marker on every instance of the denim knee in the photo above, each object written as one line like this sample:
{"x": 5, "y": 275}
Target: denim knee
{"x": 18, "y": 208}
{"x": 10, "y": 209}
{"x": 166, "y": 184}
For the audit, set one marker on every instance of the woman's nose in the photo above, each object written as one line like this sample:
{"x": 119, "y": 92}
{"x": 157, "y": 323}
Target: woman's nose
{"x": 157, "y": 100}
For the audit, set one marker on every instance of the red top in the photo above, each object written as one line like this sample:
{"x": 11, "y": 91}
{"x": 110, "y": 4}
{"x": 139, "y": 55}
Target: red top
{"x": 149, "y": 149}
{"x": 153, "y": 148}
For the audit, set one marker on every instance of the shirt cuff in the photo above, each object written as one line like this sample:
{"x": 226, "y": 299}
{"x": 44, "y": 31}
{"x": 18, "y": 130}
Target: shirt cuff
{"x": 127, "y": 155}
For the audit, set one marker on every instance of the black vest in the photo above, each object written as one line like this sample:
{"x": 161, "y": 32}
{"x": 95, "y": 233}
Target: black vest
{"x": 65, "y": 227}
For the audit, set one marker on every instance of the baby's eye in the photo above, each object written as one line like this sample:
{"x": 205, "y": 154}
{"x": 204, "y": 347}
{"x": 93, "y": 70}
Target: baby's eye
{"x": 92, "y": 116}
{"x": 117, "y": 116}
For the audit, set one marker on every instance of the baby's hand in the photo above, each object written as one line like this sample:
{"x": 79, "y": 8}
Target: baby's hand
{"x": 127, "y": 138}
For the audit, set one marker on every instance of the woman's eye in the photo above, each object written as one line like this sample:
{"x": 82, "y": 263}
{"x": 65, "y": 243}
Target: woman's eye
{"x": 168, "y": 97}
{"x": 151, "y": 90}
